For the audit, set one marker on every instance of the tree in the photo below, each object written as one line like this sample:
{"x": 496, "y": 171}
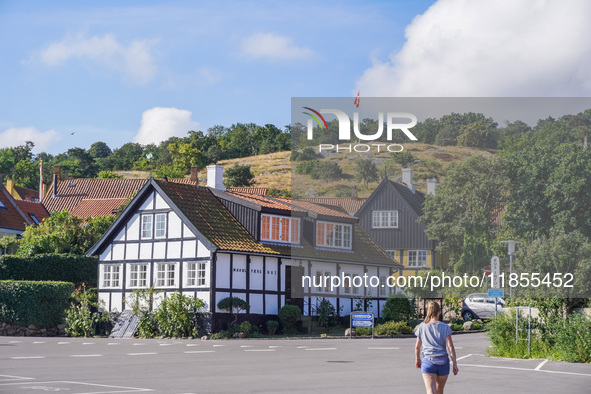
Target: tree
{"x": 478, "y": 135}
{"x": 79, "y": 164}
{"x": 109, "y": 175}
{"x": 328, "y": 171}
{"x": 99, "y": 150}
{"x": 238, "y": 175}
{"x": 124, "y": 158}
{"x": 26, "y": 175}
{"x": 233, "y": 305}
{"x": 460, "y": 216}
{"x": 366, "y": 171}
{"x": 447, "y": 136}
{"x": 63, "y": 233}
{"x": 403, "y": 158}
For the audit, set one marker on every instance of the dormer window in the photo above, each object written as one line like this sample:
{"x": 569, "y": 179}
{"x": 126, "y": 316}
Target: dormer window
{"x": 280, "y": 229}
{"x": 334, "y": 235}
{"x": 385, "y": 219}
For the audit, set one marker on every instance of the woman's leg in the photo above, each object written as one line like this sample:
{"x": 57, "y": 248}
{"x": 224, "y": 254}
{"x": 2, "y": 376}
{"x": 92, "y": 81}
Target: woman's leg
{"x": 430, "y": 382}
{"x": 441, "y": 383}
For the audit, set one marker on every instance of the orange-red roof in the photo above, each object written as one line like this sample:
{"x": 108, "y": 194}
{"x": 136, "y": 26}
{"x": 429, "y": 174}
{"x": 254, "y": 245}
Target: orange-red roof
{"x": 266, "y": 201}
{"x": 349, "y": 204}
{"x": 250, "y": 190}
{"x": 17, "y": 214}
{"x": 94, "y": 197}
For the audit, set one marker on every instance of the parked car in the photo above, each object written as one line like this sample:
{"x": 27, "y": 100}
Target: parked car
{"x": 480, "y": 306}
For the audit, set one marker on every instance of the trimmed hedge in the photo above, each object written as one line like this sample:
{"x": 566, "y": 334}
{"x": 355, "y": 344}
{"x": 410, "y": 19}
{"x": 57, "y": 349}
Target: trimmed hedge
{"x": 50, "y": 267}
{"x": 42, "y": 304}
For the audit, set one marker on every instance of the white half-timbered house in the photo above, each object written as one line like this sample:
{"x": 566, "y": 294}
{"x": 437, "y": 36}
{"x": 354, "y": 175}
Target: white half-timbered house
{"x": 211, "y": 244}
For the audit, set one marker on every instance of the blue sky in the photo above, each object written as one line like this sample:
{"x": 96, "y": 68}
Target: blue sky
{"x": 145, "y": 70}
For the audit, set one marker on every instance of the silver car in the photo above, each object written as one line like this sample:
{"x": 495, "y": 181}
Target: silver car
{"x": 481, "y": 306}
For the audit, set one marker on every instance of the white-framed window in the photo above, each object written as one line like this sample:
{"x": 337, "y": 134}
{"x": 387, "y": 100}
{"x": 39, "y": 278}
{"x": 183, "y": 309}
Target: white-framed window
{"x": 334, "y": 235}
{"x": 321, "y": 284}
{"x": 417, "y": 258}
{"x": 383, "y": 291}
{"x": 138, "y": 275}
{"x": 280, "y": 229}
{"x": 160, "y": 228}
{"x": 385, "y": 219}
{"x": 195, "y": 275}
{"x": 391, "y": 253}
{"x": 111, "y": 276}
{"x": 147, "y": 226}
{"x": 166, "y": 274}
{"x": 347, "y": 283}
{"x": 356, "y": 289}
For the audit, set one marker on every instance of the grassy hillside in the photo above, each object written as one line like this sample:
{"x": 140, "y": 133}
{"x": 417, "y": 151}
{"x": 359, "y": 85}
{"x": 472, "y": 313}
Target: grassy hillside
{"x": 274, "y": 170}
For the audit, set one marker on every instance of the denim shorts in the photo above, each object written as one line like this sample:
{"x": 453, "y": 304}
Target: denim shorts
{"x": 428, "y": 367}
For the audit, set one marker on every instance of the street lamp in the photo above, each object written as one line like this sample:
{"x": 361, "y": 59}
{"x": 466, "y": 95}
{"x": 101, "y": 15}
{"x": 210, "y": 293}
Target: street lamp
{"x": 510, "y": 252}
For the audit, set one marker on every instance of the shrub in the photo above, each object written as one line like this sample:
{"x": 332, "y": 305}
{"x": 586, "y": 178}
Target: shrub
{"x": 233, "y": 305}
{"x": 42, "y": 304}
{"x": 49, "y": 267}
{"x": 83, "y": 318}
{"x": 289, "y": 315}
{"x": 397, "y": 309}
{"x": 272, "y": 326}
{"x": 217, "y": 335}
{"x": 501, "y": 332}
{"x": 457, "y": 327}
{"x": 175, "y": 315}
{"x": 362, "y": 331}
{"x": 573, "y": 341}
{"x": 245, "y": 327}
{"x": 393, "y": 328}
{"x": 327, "y": 314}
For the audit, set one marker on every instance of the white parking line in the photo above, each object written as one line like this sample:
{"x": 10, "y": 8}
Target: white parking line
{"x": 259, "y": 350}
{"x": 218, "y": 345}
{"x": 114, "y": 343}
{"x": 138, "y": 344}
{"x": 273, "y": 347}
{"x": 86, "y": 355}
{"x": 191, "y": 345}
{"x": 245, "y": 346}
{"x": 322, "y": 348}
{"x": 524, "y": 369}
{"x": 26, "y": 358}
{"x": 463, "y": 357}
{"x": 541, "y": 365}
{"x": 199, "y": 351}
{"x": 88, "y": 343}
{"x": 302, "y": 347}
{"x": 140, "y": 354}
{"x": 165, "y": 344}
{"x": 63, "y": 343}
{"x": 38, "y": 342}
{"x": 14, "y": 341}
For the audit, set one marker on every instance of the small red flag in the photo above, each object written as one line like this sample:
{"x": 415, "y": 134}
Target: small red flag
{"x": 356, "y": 102}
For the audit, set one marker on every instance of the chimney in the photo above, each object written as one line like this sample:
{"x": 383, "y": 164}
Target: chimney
{"x": 1, "y": 179}
{"x": 431, "y": 186}
{"x": 57, "y": 170}
{"x": 9, "y": 186}
{"x": 354, "y": 195}
{"x": 194, "y": 175}
{"x": 215, "y": 176}
{"x": 407, "y": 178}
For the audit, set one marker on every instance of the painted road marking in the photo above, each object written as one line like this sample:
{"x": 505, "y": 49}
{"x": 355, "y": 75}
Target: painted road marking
{"x": 302, "y": 347}
{"x": 26, "y": 358}
{"x": 140, "y": 354}
{"x": 63, "y": 343}
{"x": 458, "y": 359}
{"x": 88, "y": 343}
{"x": 199, "y": 351}
{"x": 245, "y": 346}
{"x": 259, "y": 350}
{"x": 524, "y": 369}
{"x": 8, "y": 378}
{"x": 383, "y": 348}
{"x": 541, "y": 365}
{"x": 322, "y": 348}
{"x": 114, "y": 343}
{"x": 273, "y": 347}
{"x": 86, "y": 355}
{"x": 14, "y": 341}
{"x": 38, "y": 342}
{"x": 192, "y": 345}
{"x": 138, "y": 344}
{"x": 59, "y": 386}
{"x": 218, "y": 345}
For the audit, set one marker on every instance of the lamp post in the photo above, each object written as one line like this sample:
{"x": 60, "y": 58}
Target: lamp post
{"x": 510, "y": 252}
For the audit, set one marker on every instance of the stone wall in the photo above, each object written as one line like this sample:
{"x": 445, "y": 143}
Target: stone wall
{"x": 31, "y": 331}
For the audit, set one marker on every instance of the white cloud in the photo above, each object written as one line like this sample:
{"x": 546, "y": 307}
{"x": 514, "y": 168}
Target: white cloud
{"x": 16, "y": 136}
{"x": 490, "y": 48}
{"x": 134, "y": 61}
{"x": 159, "y": 124}
{"x": 273, "y": 47}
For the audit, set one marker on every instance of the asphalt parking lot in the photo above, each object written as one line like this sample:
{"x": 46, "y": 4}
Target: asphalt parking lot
{"x": 89, "y": 365}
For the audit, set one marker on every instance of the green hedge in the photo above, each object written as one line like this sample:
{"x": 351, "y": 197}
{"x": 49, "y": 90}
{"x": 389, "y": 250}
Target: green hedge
{"x": 42, "y": 304}
{"x": 52, "y": 267}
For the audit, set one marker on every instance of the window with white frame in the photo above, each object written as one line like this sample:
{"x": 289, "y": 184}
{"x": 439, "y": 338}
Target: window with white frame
{"x": 165, "y": 275}
{"x": 322, "y": 284}
{"x": 385, "y": 219}
{"x": 280, "y": 229}
{"x": 391, "y": 253}
{"x": 383, "y": 287}
{"x": 356, "y": 289}
{"x": 138, "y": 275}
{"x": 147, "y": 226}
{"x": 347, "y": 284}
{"x": 195, "y": 275}
{"x": 333, "y": 235}
{"x": 111, "y": 276}
{"x": 417, "y": 258}
{"x": 160, "y": 225}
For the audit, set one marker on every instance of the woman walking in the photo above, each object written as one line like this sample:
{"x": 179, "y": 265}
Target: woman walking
{"x": 434, "y": 336}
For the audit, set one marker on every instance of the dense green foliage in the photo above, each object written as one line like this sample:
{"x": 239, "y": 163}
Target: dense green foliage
{"x": 49, "y": 267}
{"x": 38, "y": 303}
{"x": 233, "y": 305}
{"x": 366, "y": 171}
{"x": 397, "y": 309}
{"x": 289, "y": 316}
{"x": 83, "y": 318}
{"x": 63, "y": 233}
{"x": 238, "y": 175}
{"x": 175, "y": 315}
{"x": 172, "y": 157}
{"x": 272, "y": 326}
{"x": 393, "y": 328}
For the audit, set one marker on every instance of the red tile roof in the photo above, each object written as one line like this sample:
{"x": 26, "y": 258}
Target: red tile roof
{"x": 266, "y": 201}
{"x": 27, "y": 194}
{"x": 349, "y": 204}
{"x": 16, "y": 214}
{"x": 320, "y": 209}
{"x": 250, "y": 190}
{"x": 95, "y": 197}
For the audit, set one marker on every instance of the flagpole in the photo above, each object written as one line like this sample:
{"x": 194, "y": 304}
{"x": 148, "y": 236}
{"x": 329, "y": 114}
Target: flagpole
{"x": 40, "y": 179}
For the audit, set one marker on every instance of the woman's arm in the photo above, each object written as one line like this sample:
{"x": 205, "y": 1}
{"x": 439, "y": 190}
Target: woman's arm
{"x": 452, "y": 353}
{"x": 418, "y": 353}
